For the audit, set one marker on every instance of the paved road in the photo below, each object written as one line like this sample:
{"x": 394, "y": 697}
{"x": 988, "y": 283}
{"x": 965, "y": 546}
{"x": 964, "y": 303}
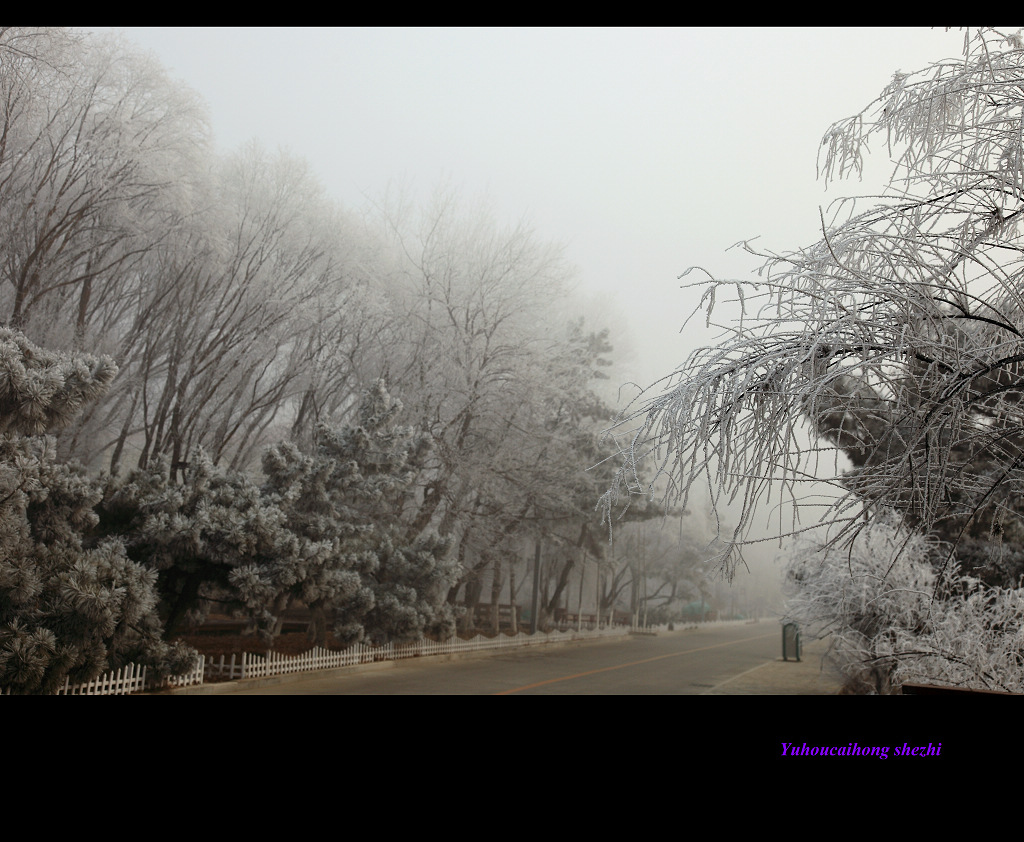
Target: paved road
{"x": 706, "y": 660}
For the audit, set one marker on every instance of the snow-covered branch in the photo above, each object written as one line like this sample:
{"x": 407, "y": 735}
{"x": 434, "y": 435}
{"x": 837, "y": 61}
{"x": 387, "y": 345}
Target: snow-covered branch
{"x": 893, "y": 344}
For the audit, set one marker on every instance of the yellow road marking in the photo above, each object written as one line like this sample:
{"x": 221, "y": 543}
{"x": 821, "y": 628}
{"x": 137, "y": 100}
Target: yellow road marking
{"x": 630, "y": 664}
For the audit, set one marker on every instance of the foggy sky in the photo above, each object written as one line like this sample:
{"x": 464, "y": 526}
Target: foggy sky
{"x": 645, "y": 151}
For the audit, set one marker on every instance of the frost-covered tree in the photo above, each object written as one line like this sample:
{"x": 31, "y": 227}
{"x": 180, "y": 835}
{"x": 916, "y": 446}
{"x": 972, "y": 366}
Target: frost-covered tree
{"x": 670, "y": 561}
{"x": 195, "y": 533}
{"x": 579, "y": 461}
{"x": 894, "y": 344}
{"x": 223, "y": 285}
{"x": 228, "y": 330}
{"x": 96, "y": 146}
{"x": 68, "y": 610}
{"x": 475, "y": 299}
{"x": 351, "y": 499}
{"x": 896, "y": 337}
{"x": 876, "y": 602}
{"x": 483, "y": 364}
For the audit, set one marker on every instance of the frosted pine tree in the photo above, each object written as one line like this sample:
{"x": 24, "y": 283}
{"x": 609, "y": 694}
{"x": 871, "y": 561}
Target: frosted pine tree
{"x": 196, "y": 533}
{"x": 350, "y": 495}
{"x": 67, "y": 610}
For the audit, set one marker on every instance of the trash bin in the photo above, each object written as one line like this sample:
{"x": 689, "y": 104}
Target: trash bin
{"x": 791, "y": 642}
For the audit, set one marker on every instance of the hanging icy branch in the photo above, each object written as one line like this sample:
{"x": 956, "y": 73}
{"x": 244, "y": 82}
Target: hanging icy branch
{"x": 895, "y": 340}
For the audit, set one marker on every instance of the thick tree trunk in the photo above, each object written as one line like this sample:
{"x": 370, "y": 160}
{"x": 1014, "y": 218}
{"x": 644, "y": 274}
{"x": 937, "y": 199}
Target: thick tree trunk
{"x": 563, "y": 574}
{"x": 318, "y": 631}
{"x": 187, "y": 597}
{"x": 473, "y": 590}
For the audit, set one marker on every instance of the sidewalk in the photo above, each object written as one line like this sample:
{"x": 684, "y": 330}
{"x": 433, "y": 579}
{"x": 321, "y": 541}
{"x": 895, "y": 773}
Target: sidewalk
{"x": 806, "y": 677}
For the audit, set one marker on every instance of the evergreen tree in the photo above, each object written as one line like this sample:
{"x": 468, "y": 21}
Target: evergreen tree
{"x": 67, "y": 610}
{"x": 570, "y": 462}
{"x": 347, "y": 499}
{"x": 196, "y": 533}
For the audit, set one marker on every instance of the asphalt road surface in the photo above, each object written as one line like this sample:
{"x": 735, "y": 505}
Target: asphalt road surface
{"x": 686, "y": 662}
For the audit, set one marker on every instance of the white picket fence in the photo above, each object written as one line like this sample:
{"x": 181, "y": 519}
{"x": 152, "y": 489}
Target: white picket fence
{"x": 132, "y": 679}
{"x": 129, "y": 679}
{"x": 189, "y": 678}
{"x": 122, "y": 682}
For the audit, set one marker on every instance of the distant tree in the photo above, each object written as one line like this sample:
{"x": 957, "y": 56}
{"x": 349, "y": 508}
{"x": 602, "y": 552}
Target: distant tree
{"x": 579, "y": 461}
{"x": 67, "y": 610}
{"x": 478, "y": 349}
{"x": 669, "y": 568}
{"x": 475, "y": 298}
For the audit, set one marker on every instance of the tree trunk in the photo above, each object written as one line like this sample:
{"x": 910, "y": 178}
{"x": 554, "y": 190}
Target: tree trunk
{"x": 496, "y": 595}
{"x": 473, "y": 590}
{"x": 318, "y": 632}
{"x": 512, "y": 597}
{"x": 187, "y": 597}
